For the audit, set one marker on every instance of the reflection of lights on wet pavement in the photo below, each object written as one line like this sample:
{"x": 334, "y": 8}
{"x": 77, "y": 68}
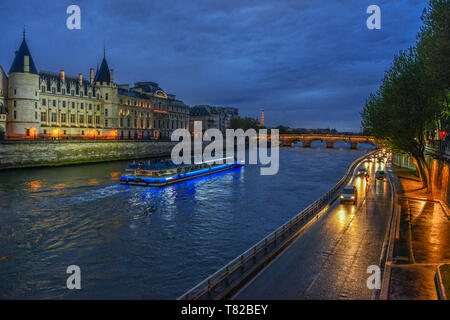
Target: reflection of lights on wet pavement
{"x": 341, "y": 215}
{"x": 346, "y": 213}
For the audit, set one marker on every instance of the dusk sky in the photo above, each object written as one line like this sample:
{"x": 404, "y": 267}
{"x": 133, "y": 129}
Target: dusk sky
{"x": 307, "y": 63}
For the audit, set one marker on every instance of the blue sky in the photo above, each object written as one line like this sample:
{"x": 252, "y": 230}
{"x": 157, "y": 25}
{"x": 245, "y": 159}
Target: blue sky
{"x": 307, "y": 63}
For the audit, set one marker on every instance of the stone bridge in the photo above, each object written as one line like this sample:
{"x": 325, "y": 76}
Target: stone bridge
{"x": 287, "y": 140}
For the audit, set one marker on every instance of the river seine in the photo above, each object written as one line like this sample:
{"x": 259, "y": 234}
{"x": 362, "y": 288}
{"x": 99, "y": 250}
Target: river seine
{"x": 144, "y": 243}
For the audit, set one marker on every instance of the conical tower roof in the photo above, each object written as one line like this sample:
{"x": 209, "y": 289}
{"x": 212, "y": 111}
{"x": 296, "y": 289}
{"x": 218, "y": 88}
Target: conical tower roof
{"x": 103, "y": 74}
{"x": 18, "y": 64}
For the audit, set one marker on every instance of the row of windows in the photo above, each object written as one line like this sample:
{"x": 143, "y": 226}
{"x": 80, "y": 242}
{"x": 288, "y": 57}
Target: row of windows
{"x": 27, "y": 132}
{"x": 72, "y": 92}
{"x": 155, "y": 105}
{"x": 162, "y": 124}
{"x": 55, "y": 103}
{"x": 63, "y": 118}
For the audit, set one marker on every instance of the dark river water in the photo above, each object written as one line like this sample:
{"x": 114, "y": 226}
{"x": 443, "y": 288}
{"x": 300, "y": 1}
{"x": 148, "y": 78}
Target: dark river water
{"x": 140, "y": 242}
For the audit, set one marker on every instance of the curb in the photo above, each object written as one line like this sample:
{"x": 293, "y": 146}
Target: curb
{"x": 392, "y": 237}
{"x": 444, "y": 208}
{"x": 439, "y": 284}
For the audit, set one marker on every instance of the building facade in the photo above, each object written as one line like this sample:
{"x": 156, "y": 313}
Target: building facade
{"x": 58, "y": 106}
{"x": 212, "y": 117}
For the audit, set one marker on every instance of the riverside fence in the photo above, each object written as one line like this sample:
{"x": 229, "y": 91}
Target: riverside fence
{"x": 227, "y": 280}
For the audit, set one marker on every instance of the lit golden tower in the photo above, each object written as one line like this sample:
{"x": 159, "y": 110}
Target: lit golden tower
{"x": 262, "y": 117}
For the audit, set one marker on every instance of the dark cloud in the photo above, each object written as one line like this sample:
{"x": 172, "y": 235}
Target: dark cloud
{"x": 307, "y": 63}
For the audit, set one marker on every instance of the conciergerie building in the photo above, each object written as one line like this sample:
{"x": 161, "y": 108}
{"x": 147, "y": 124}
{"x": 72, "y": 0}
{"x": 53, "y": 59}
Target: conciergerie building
{"x": 54, "y": 105}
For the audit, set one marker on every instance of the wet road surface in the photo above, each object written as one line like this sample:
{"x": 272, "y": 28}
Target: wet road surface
{"x": 330, "y": 259}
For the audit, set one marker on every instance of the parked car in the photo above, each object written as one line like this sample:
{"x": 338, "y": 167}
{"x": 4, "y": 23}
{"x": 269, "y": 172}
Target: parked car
{"x": 349, "y": 194}
{"x": 380, "y": 175}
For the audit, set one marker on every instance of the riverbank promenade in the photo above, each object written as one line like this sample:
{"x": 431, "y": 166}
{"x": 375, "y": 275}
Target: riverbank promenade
{"x": 423, "y": 241}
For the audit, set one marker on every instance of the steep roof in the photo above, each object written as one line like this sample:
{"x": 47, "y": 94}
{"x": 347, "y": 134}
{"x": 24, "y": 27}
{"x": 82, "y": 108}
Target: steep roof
{"x": 103, "y": 75}
{"x": 18, "y": 64}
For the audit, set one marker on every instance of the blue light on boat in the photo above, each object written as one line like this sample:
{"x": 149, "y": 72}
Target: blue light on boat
{"x": 178, "y": 176}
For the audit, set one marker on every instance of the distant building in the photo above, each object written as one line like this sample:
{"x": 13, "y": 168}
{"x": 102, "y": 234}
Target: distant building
{"x": 212, "y": 117}
{"x": 57, "y": 106}
{"x": 3, "y": 107}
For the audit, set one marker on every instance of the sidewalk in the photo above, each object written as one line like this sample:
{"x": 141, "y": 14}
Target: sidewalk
{"x": 423, "y": 241}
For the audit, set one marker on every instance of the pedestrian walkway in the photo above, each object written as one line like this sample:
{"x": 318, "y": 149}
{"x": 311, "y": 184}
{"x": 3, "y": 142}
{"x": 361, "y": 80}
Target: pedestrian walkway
{"x": 423, "y": 241}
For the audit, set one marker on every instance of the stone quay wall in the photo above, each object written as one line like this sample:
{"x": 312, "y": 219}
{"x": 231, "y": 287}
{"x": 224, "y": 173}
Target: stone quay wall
{"x": 22, "y": 154}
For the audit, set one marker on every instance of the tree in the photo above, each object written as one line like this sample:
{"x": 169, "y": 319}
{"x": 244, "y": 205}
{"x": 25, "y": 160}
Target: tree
{"x": 434, "y": 46}
{"x": 434, "y": 42}
{"x": 414, "y": 93}
{"x": 282, "y": 129}
{"x": 244, "y": 123}
{"x": 404, "y": 109}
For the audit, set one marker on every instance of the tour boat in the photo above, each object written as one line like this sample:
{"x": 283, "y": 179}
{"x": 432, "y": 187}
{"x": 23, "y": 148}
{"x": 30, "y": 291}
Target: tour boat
{"x": 163, "y": 173}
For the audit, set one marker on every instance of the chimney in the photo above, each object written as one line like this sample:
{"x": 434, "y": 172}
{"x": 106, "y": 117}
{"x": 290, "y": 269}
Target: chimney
{"x": 62, "y": 75}
{"x": 92, "y": 75}
{"x": 112, "y": 75}
{"x": 80, "y": 78}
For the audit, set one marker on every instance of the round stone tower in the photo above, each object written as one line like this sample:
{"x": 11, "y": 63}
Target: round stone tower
{"x": 104, "y": 82}
{"x": 23, "y": 96}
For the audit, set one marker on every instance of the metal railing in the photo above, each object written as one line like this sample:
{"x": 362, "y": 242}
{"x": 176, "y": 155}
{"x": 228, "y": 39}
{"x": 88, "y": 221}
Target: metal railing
{"x": 235, "y": 271}
{"x": 439, "y": 148}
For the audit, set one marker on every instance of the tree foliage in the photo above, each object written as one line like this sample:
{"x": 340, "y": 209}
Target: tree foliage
{"x": 244, "y": 123}
{"x": 412, "y": 97}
